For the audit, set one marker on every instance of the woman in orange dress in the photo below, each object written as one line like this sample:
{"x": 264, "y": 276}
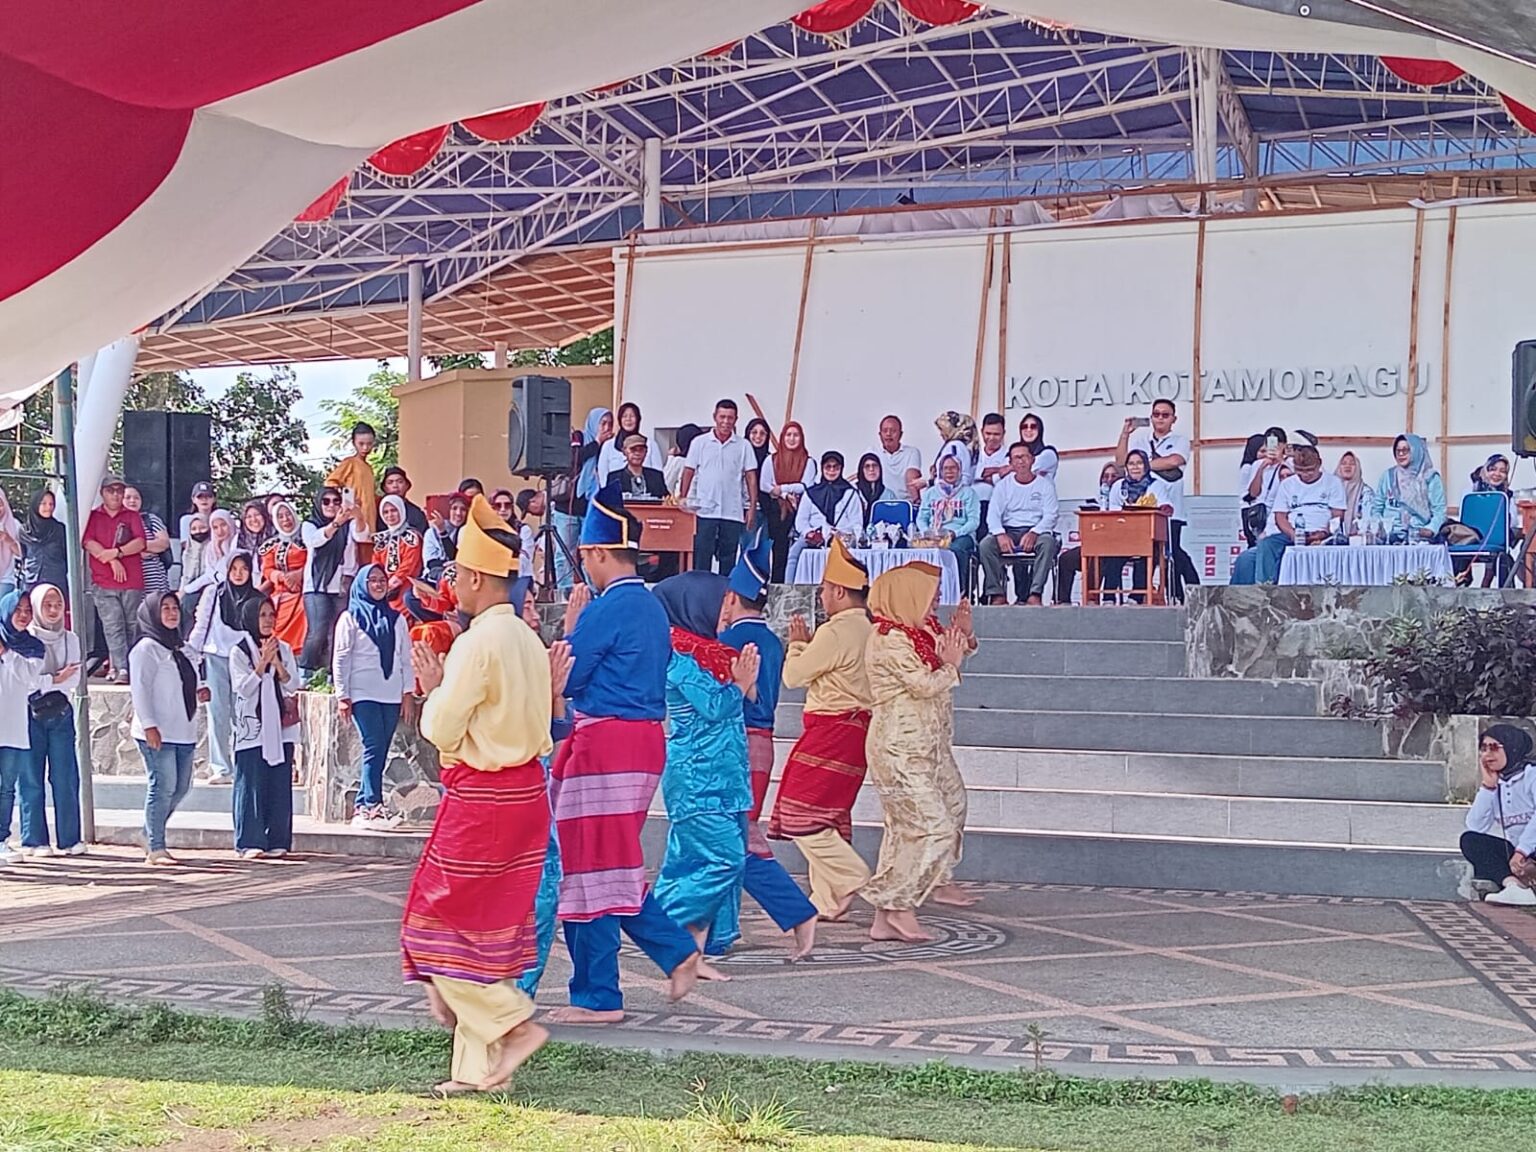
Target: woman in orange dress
{"x": 397, "y": 549}
{"x": 282, "y": 560}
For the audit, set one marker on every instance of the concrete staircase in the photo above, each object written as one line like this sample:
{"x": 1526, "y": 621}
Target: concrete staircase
{"x": 1090, "y": 758}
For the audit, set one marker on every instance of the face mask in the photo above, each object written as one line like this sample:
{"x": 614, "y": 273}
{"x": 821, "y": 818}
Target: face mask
{"x": 199, "y": 536}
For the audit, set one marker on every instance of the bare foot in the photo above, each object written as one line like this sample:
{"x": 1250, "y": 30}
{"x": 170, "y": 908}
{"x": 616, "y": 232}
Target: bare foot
{"x": 899, "y": 925}
{"x": 805, "y": 939}
{"x": 708, "y": 971}
{"x": 684, "y": 977}
{"x": 516, "y": 1046}
{"x": 842, "y": 907}
{"x": 571, "y": 1014}
{"x": 954, "y": 895}
{"x": 454, "y": 1088}
{"x": 440, "y": 1010}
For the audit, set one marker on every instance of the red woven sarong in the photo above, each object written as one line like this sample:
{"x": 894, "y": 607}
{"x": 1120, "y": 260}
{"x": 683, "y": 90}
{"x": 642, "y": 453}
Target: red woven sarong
{"x": 470, "y": 912}
{"x": 601, "y": 786}
{"x": 822, "y": 776}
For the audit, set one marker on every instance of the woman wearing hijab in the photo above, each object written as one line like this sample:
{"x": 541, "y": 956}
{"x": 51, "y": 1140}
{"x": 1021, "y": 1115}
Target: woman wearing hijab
{"x": 165, "y": 697}
{"x": 870, "y": 484}
{"x": 1491, "y": 476}
{"x": 203, "y": 560}
{"x": 610, "y": 458}
{"x": 677, "y": 459}
{"x": 326, "y": 535}
{"x": 282, "y": 562}
{"x": 51, "y": 731}
{"x": 1411, "y": 494}
{"x": 1140, "y": 487}
{"x": 1358, "y": 497}
{"x": 255, "y": 527}
{"x": 1032, "y": 436}
{"x": 568, "y": 514}
{"x": 1501, "y": 824}
{"x": 10, "y": 547}
{"x": 781, "y": 484}
{"x": 21, "y": 674}
{"x": 372, "y": 674}
{"x": 219, "y": 626}
{"x": 44, "y": 559}
{"x": 706, "y": 783}
{"x": 951, "y": 505}
{"x": 397, "y": 549}
{"x": 830, "y": 506}
{"x": 441, "y": 545}
{"x": 913, "y": 664}
{"x": 263, "y": 672}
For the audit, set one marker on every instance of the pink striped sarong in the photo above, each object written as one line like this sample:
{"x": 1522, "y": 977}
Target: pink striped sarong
{"x": 601, "y": 786}
{"x": 470, "y": 912}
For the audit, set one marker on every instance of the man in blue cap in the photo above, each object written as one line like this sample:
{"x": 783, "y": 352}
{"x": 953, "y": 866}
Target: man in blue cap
{"x": 765, "y": 879}
{"x": 607, "y": 771}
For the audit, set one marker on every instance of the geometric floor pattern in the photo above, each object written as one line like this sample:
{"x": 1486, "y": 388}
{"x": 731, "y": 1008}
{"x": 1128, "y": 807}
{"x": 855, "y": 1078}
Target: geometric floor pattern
{"x": 1073, "y": 976}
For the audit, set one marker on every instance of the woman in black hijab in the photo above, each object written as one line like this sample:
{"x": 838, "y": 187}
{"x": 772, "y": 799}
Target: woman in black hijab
{"x": 1501, "y": 833}
{"x": 327, "y": 534}
{"x": 44, "y": 559}
{"x": 870, "y": 483}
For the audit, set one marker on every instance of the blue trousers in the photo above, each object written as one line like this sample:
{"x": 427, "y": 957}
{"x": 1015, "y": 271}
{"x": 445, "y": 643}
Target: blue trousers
{"x": 263, "y": 801}
{"x": 376, "y": 724}
{"x": 594, "y": 949}
{"x": 170, "y": 779}
{"x": 775, "y": 892}
{"x": 52, "y": 760}
{"x": 1261, "y": 563}
{"x": 221, "y": 716}
{"x": 13, "y": 762}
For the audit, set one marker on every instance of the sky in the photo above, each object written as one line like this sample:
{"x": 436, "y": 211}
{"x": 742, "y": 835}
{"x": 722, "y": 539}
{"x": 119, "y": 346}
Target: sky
{"x": 319, "y": 380}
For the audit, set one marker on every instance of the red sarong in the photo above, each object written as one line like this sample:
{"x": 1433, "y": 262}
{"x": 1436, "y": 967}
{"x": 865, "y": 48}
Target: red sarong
{"x": 601, "y": 786}
{"x": 470, "y": 912}
{"x": 822, "y": 777}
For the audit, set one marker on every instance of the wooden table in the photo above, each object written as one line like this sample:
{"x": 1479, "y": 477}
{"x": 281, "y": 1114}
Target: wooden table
{"x": 665, "y": 529}
{"x": 1130, "y": 533}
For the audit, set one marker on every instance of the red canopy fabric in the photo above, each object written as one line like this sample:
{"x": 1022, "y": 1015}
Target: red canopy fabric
{"x": 1423, "y": 73}
{"x": 324, "y": 204}
{"x": 940, "y": 11}
{"x": 500, "y": 127}
{"x": 833, "y": 16}
{"x": 1520, "y": 113}
{"x": 408, "y": 156}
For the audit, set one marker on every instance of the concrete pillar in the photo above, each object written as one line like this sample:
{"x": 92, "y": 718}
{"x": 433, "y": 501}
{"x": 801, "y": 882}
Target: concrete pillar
{"x": 413, "y": 322}
{"x": 104, "y": 378}
{"x": 650, "y": 184}
{"x": 499, "y": 355}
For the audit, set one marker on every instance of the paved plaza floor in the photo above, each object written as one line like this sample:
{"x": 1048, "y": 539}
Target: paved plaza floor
{"x": 1281, "y": 989}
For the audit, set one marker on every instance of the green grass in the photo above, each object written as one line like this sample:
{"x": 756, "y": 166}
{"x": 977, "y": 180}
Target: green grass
{"x": 88, "y": 1075}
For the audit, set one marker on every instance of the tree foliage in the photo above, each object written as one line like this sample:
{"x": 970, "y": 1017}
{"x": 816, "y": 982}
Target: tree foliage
{"x": 258, "y": 443}
{"x": 373, "y": 403}
{"x": 456, "y": 360}
{"x": 156, "y": 391}
{"x": 594, "y": 349}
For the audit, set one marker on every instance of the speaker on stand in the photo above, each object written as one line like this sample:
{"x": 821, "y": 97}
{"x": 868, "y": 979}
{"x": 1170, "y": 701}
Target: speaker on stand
{"x": 1522, "y": 380}
{"x": 164, "y": 455}
{"x": 540, "y": 443}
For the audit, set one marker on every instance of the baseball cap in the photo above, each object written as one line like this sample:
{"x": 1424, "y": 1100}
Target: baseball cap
{"x": 111, "y": 481}
{"x": 202, "y": 488}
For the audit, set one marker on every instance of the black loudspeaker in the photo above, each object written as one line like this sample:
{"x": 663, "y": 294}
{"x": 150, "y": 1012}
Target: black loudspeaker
{"x": 164, "y": 454}
{"x": 539, "y": 426}
{"x": 1523, "y": 402}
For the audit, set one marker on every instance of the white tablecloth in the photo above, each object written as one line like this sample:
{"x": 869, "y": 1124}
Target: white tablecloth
{"x": 1364, "y": 564}
{"x": 813, "y": 562}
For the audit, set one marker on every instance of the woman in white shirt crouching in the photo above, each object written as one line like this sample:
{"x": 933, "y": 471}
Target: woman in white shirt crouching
{"x": 165, "y": 697}
{"x": 372, "y": 672}
{"x": 263, "y": 673}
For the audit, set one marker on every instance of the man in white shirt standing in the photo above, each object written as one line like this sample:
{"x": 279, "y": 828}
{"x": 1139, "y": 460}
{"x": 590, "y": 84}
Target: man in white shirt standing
{"x": 1305, "y": 505}
{"x": 1021, "y": 517}
{"x": 992, "y": 465}
{"x": 903, "y": 463}
{"x": 1169, "y": 452}
{"x": 720, "y": 485}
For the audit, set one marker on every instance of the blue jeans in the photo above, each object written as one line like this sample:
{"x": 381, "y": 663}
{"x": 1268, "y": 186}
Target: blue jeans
{"x": 1261, "y": 563}
{"x": 717, "y": 542}
{"x": 594, "y": 949}
{"x": 221, "y": 716}
{"x": 13, "y": 762}
{"x": 376, "y": 724}
{"x": 568, "y": 528}
{"x": 52, "y": 759}
{"x": 170, "y": 779}
{"x": 263, "y": 801}
{"x": 321, "y": 610}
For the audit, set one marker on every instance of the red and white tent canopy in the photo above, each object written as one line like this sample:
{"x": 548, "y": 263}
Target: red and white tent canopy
{"x": 151, "y": 148}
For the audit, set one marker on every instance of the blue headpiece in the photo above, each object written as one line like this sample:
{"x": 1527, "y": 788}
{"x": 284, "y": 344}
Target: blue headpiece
{"x": 607, "y": 524}
{"x": 749, "y": 579}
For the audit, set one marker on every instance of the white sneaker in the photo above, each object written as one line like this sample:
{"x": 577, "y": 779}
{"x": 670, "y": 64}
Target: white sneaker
{"x": 42, "y": 851}
{"x": 78, "y": 848}
{"x": 8, "y": 855}
{"x": 360, "y": 819}
{"x": 1514, "y": 893}
{"x": 251, "y": 854}
{"x": 275, "y": 853}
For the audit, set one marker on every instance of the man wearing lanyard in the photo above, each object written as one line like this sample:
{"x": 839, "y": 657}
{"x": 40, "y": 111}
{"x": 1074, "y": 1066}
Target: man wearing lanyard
{"x": 720, "y": 484}
{"x": 1169, "y": 453}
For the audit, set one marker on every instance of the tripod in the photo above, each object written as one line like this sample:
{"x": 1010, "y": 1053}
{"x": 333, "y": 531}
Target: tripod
{"x": 549, "y": 540}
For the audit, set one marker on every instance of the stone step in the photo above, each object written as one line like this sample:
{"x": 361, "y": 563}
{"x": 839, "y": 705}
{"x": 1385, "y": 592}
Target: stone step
{"x": 1111, "y": 622}
{"x": 119, "y": 792}
{"x": 1019, "y": 856}
{"x": 1079, "y": 657}
{"x": 1289, "y": 737}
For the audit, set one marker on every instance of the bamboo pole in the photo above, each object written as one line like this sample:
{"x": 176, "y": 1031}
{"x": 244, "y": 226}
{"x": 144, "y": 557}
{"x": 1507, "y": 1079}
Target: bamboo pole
{"x": 1413, "y": 314}
{"x": 981, "y": 313}
{"x": 1445, "y": 347}
{"x": 1002, "y": 320}
{"x": 805, "y": 291}
{"x": 1194, "y": 376}
{"x": 629, "y": 291}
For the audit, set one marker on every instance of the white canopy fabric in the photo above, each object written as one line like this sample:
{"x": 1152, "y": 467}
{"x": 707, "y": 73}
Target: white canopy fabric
{"x": 149, "y": 153}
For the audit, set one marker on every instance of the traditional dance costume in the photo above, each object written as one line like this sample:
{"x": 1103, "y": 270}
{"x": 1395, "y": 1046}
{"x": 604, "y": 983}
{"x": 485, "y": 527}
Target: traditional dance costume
{"x": 910, "y": 745}
{"x": 764, "y": 879}
{"x": 607, "y": 772}
{"x": 282, "y": 560}
{"x": 398, "y": 551}
{"x": 469, "y": 920}
{"x": 706, "y": 785}
{"x": 825, "y": 769}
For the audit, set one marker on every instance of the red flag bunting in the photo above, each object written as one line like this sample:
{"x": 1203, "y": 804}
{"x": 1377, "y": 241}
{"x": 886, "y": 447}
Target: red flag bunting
{"x": 1519, "y": 113}
{"x": 499, "y": 127}
{"x": 1423, "y": 73}
{"x": 833, "y": 16}
{"x": 940, "y": 11}
{"x": 408, "y": 156}
{"x": 325, "y": 203}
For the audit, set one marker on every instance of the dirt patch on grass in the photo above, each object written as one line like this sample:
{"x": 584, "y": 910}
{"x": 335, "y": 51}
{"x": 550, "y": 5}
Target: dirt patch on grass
{"x": 299, "y": 1132}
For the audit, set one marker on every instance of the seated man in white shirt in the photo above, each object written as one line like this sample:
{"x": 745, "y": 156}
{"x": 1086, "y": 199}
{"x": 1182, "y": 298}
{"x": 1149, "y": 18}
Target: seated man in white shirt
{"x": 903, "y": 463}
{"x": 1305, "y": 504}
{"x": 830, "y": 506}
{"x": 1021, "y": 517}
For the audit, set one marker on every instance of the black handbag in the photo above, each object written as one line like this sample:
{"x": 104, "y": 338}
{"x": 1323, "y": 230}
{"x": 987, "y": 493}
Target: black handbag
{"x": 47, "y": 705}
{"x": 1255, "y": 520}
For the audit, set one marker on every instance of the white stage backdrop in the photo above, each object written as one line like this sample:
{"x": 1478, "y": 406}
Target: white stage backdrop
{"x": 1307, "y": 323}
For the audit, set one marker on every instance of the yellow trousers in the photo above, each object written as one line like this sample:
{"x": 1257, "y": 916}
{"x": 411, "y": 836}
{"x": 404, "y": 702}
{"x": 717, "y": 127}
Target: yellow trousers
{"x": 836, "y": 870}
{"x": 486, "y": 1013}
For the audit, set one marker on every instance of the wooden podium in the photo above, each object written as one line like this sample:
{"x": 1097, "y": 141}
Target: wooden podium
{"x": 1130, "y": 533}
{"x": 665, "y": 529}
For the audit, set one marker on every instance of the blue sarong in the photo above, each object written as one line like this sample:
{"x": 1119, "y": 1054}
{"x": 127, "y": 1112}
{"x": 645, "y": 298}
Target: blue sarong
{"x": 703, "y": 866}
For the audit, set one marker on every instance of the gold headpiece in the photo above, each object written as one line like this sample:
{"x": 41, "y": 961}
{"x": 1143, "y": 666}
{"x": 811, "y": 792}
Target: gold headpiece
{"x": 477, "y": 550}
{"x": 843, "y": 570}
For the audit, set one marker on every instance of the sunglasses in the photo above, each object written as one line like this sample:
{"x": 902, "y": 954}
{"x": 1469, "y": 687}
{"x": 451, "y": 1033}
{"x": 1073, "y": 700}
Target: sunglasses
{"x": 502, "y": 504}
{"x": 328, "y": 500}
